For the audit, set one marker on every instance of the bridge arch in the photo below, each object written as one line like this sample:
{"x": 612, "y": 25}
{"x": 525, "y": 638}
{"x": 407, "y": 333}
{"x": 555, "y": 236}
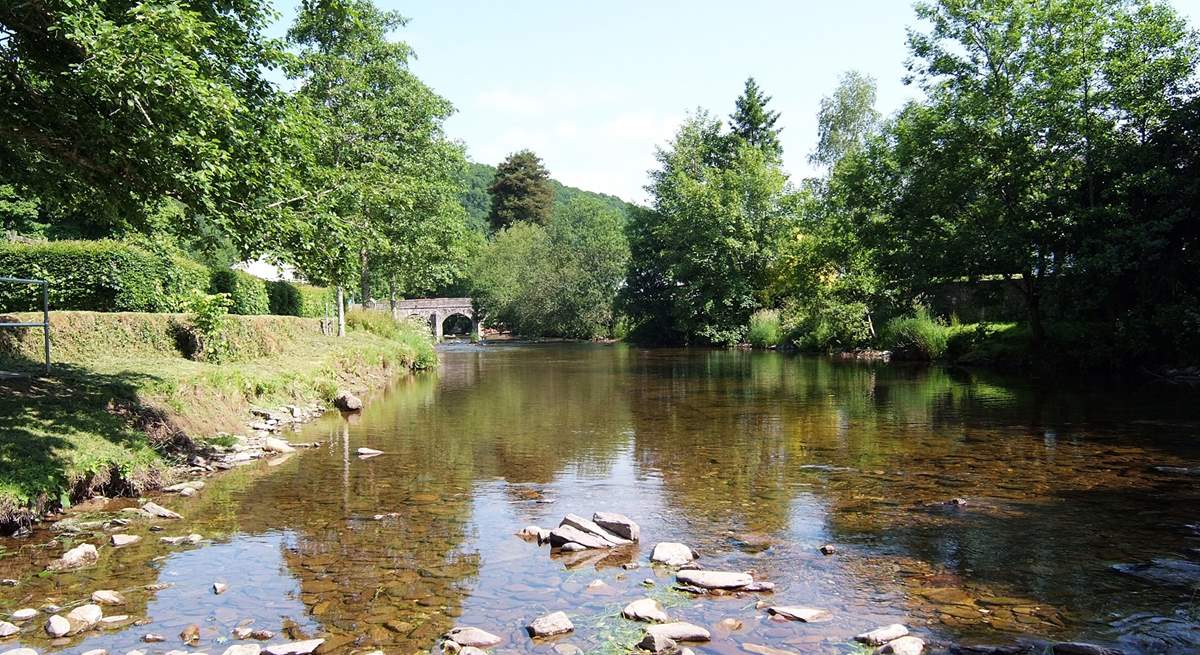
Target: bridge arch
{"x": 435, "y": 311}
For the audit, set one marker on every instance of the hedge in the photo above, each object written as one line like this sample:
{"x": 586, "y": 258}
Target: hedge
{"x": 247, "y": 294}
{"x": 106, "y": 276}
{"x": 295, "y": 299}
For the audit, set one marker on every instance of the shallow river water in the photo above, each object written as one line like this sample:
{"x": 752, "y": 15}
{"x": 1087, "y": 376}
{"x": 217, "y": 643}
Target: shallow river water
{"x": 755, "y": 460}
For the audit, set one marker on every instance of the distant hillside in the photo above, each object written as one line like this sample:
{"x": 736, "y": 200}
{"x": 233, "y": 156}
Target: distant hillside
{"x": 477, "y": 201}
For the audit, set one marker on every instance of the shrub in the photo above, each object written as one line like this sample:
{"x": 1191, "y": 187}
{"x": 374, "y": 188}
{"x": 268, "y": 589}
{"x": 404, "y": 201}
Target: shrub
{"x": 182, "y": 280}
{"x": 766, "y": 330}
{"x": 247, "y": 294}
{"x": 919, "y": 336}
{"x": 106, "y": 276}
{"x": 295, "y": 299}
{"x": 412, "y": 332}
{"x": 824, "y": 325}
{"x": 210, "y": 317}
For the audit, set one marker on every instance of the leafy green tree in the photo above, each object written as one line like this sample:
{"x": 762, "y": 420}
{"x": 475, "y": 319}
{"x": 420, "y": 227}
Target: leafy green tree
{"x": 753, "y": 123}
{"x": 845, "y": 119}
{"x": 375, "y": 157}
{"x": 557, "y": 280}
{"x": 703, "y": 255}
{"x": 107, "y": 107}
{"x": 521, "y": 191}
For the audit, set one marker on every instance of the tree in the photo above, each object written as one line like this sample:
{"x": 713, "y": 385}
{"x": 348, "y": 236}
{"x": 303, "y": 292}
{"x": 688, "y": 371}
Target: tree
{"x": 702, "y": 256}
{"x": 521, "y": 191}
{"x": 557, "y": 280}
{"x": 108, "y": 107}
{"x": 845, "y": 119}
{"x": 375, "y": 157}
{"x": 753, "y": 123}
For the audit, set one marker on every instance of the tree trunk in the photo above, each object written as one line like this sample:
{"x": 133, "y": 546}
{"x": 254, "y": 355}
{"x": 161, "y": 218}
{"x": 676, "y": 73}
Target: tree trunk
{"x": 365, "y": 279}
{"x": 392, "y": 297}
{"x": 341, "y": 311}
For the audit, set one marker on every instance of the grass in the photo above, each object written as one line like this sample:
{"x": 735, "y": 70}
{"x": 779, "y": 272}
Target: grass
{"x": 920, "y": 336}
{"x": 766, "y": 329}
{"x": 123, "y": 403}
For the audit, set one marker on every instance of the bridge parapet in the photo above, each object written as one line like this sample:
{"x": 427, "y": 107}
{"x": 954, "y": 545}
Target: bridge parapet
{"x": 434, "y": 311}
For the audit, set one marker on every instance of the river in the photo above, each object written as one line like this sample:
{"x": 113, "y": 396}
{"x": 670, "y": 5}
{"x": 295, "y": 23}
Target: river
{"x": 972, "y": 507}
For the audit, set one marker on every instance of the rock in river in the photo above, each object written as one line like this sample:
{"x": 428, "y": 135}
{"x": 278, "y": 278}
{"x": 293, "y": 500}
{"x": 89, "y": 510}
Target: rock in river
{"x": 903, "y": 646}
{"x": 646, "y": 609}
{"x": 119, "y": 540}
{"x": 470, "y": 636}
{"x": 618, "y": 524}
{"x": 657, "y": 643}
{"x": 347, "y": 402}
{"x": 20, "y": 651}
{"x": 1079, "y": 648}
{"x": 672, "y": 554}
{"x": 565, "y": 534}
{"x": 158, "y": 511}
{"x": 1168, "y": 572}
{"x": 590, "y": 527}
{"x": 277, "y": 445}
{"x": 24, "y": 614}
{"x": 759, "y": 649}
{"x": 7, "y": 629}
{"x": 556, "y": 623}
{"x": 219, "y": 588}
{"x": 79, "y": 556}
{"x": 880, "y": 636}
{"x": 242, "y": 649}
{"x": 84, "y": 617}
{"x": 57, "y": 626}
{"x": 680, "y": 631}
{"x": 294, "y": 648}
{"x": 191, "y": 634}
{"x": 804, "y": 614}
{"x": 714, "y": 579}
{"x": 108, "y": 597}
{"x": 368, "y": 452}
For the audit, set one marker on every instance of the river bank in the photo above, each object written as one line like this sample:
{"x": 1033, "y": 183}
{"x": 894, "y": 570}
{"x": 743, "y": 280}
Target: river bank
{"x": 126, "y": 412}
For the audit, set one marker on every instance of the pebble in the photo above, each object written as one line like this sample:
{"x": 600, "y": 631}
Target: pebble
{"x": 153, "y": 638}
{"x": 219, "y": 588}
{"x": 828, "y": 549}
{"x": 549, "y": 625}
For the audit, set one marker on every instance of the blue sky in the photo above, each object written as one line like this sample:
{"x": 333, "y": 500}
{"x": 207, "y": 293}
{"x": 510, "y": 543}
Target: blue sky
{"x": 593, "y": 87}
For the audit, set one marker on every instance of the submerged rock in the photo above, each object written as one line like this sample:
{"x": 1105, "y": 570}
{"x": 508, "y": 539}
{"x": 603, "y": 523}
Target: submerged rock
{"x": 1168, "y": 572}
{"x": 119, "y": 540}
{"x": 803, "y": 614}
{"x": 672, "y": 554}
{"x": 471, "y": 636}
{"x": 680, "y": 631}
{"x": 880, "y": 636}
{"x": 759, "y": 649}
{"x": 657, "y": 643}
{"x": 190, "y": 635}
{"x": 77, "y": 557}
{"x": 645, "y": 609}
{"x": 714, "y": 579}
{"x": 618, "y": 524}
{"x": 108, "y": 597}
{"x": 277, "y": 445}
{"x": 368, "y": 452}
{"x": 1079, "y": 648}
{"x": 903, "y": 646}
{"x": 243, "y": 649}
{"x": 294, "y": 648}
{"x": 556, "y": 623}
{"x": 567, "y": 649}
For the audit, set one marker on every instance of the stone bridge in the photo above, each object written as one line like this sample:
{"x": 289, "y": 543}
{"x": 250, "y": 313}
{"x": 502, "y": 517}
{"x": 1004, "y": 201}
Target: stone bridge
{"x": 434, "y": 311}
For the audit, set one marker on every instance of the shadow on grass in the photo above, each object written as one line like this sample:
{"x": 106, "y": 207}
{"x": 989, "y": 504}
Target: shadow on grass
{"x": 74, "y": 433}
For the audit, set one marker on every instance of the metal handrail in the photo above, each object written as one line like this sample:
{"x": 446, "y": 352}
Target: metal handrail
{"x": 45, "y": 324}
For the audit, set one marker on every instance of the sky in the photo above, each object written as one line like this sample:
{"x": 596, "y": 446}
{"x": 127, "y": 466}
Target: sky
{"x": 594, "y": 86}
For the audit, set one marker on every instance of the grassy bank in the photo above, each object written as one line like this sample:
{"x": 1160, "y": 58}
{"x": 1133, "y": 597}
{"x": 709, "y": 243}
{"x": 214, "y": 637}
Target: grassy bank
{"x": 124, "y": 403}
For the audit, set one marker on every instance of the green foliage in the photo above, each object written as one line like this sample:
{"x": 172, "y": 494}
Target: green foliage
{"x": 296, "y": 299}
{"x": 96, "y": 275}
{"x": 247, "y": 294}
{"x": 753, "y": 123}
{"x": 560, "y": 280}
{"x": 845, "y": 119}
{"x": 210, "y": 312}
{"x": 919, "y": 336}
{"x": 766, "y": 329}
{"x": 475, "y": 198}
{"x": 412, "y": 333}
{"x": 826, "y": 324}
{"x": 521, "y": 191}
{"x": 702, "y": 257}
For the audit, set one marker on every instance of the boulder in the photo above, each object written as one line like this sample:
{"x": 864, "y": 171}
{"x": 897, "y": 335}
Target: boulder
{"x": 119, "y": 540}
{"x": 803, "y": 614}
{"x": 294, "y": 648}
{"x": 880, "y": 636}
{"x": 7, "y": 629}
{"x": 470, "y": 636}
{"x": 158, "y": 511}
{"x": 549, "y": 625}
{"x": 657, "y": 643}
{"x": 672, "y": 554}
{"x": 347, "y": 402}
{"x": 646, "y": 609}
{"x": 590, "y": 527}
{"x": 565, "y": 534}
{"x": 108, "y": 597}
{"x": 78, "y": 557}
{"x": 680, "y": 631}
{"x": 85, "y": 617}
{"x": 618, "y": 524}
{"x": 57, "y": 626}
{"x": 242, "y": 649}
{"x": 277, "y": 445}
{"x": 714, "y": 579}
{"x": 903, "y": 646}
